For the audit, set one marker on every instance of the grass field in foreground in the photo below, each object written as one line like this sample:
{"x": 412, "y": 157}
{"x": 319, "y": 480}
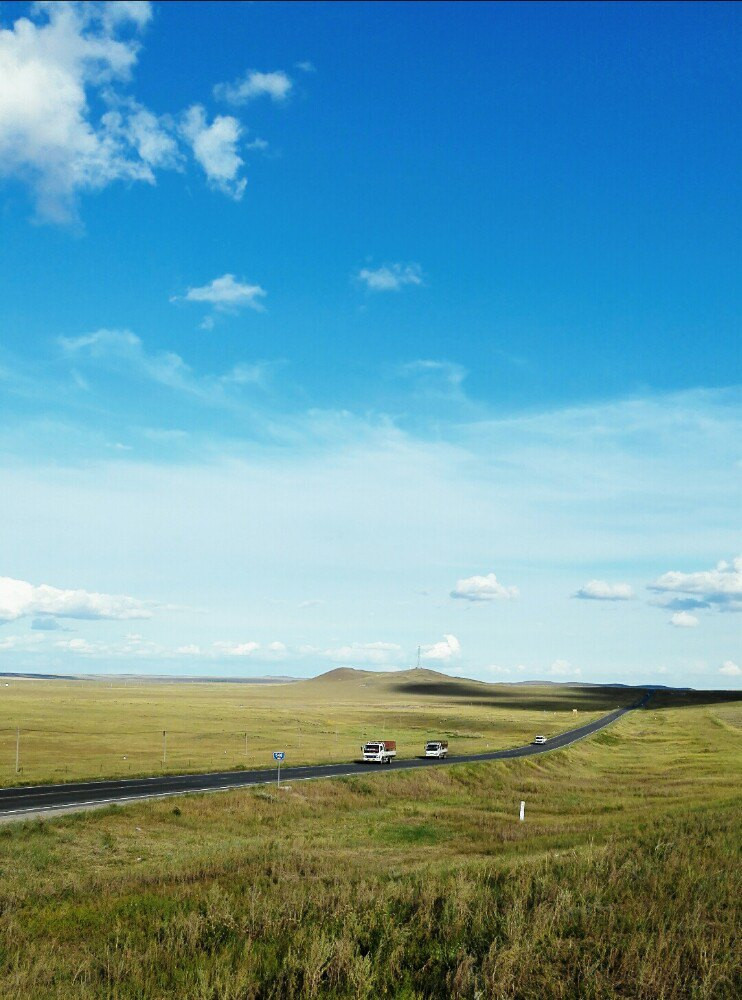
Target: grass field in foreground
{"x": 624, "y": 881}
{"x": 91, "y": 729}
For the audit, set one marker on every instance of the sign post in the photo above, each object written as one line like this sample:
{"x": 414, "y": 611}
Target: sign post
{"x": 279, "y": 755}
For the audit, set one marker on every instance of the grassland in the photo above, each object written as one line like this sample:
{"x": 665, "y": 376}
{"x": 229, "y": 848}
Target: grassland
{"x": 624, "y": 881}
{"x": 89, "y": 729}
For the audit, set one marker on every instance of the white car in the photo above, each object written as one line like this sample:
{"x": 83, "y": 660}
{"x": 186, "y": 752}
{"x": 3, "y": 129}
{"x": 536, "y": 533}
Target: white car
{"x": 539, "y": 740}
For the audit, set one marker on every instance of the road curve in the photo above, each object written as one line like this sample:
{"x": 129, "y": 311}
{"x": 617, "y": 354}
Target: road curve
{"x": 40, "y": 799}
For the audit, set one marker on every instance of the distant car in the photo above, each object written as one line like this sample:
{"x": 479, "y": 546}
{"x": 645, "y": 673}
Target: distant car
{"x": 539, "y": 740}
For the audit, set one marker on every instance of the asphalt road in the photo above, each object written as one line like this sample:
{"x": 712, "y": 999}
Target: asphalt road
{"x": 39, "y": 799}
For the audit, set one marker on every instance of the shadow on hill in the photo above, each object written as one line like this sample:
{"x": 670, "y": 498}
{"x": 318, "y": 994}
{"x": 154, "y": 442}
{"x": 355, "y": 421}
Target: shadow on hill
{"x": 525, "y": 698}
{"x": 668, "y": 698}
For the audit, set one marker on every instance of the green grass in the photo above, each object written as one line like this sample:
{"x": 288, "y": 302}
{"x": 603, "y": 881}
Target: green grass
{"x": 624, "y": 881}
{"x": 72, "y": 730}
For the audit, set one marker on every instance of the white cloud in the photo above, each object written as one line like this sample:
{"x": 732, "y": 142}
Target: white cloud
{"x": 446, "y": 649}
{"x": 244, "y": 374}
{"x": 377, "y": 653}
{"x": 483, "y": 588}
{"x": 215, "y": 148}
{"x": 52, "y": 64}
{"x": 276, "y": 85}
{"x": 730, "y": 669}
{"x": 118, "y": 346}
{"x": 683, "y": 619}
{"x": 390, "y": 277}
{"x": 152, "y": 136}
{"x": 720, "y": 587}
{"x": 133, "y": 646}
{"x": 69, "y": 126}
{"x": 78, "y": 646}
{"x": 19, "y": 599}
{"x": 21, "y": 643}
{"x": 236, "y": 648}
{"x": 227, "y": 294}
{"x": 435, "y": 375}
{"x": 600, "y": 590}
{"x": 46, "y": 623}
{"x": 117, "y": 350}
{"x": 563, "y": 668}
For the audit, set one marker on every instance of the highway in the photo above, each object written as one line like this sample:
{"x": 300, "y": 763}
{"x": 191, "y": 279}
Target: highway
{"x": 34, "y": 800}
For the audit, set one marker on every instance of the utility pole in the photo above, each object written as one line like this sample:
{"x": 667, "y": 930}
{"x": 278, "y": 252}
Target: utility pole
{"x": 17, "y": 750}
{"x": 418, "y": 657}
{"x": 164, "y": 747}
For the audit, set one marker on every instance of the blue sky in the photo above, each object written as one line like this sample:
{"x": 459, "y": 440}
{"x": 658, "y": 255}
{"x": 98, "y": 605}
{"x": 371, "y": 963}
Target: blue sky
{"x": 332, "y": 330}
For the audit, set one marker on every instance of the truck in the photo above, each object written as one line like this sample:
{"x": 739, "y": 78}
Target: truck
{"x": 436, "y": 748}
{"x": 379, "y": 751}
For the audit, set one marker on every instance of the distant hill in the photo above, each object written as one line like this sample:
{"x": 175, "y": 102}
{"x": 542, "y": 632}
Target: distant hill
{"x": 416, "y": 675}
{"x": 349, "y": 684}
{"x": 340, "y": 674}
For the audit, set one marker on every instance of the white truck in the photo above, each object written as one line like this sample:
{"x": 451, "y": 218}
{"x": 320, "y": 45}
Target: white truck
{"x": 436, "y": 748}
{"x": 379, "y": 751}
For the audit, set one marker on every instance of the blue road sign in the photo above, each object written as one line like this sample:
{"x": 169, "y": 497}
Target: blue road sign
{"x": 278, "y": 754}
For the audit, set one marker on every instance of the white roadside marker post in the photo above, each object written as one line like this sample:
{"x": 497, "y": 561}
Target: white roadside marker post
{"x": 522, "y": 811}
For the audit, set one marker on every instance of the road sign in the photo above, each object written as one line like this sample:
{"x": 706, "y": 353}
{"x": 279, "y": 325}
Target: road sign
{"x": 279, "y": 754}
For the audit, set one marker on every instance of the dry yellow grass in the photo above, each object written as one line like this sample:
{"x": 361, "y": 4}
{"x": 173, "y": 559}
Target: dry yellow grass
{"x": 104, "y": 728}
{"x": 421, "y": 885}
